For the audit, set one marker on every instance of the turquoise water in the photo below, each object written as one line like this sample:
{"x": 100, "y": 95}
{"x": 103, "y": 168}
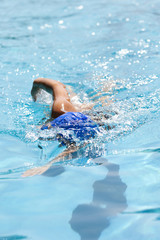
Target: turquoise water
{"x": 100, "y": 49}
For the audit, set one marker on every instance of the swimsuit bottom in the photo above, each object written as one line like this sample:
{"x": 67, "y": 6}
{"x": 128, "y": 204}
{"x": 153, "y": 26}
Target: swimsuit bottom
{"x": 82, "y": 126}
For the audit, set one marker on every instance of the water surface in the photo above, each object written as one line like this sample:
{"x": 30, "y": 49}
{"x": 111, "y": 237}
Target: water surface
{"x": 110, "y": 189}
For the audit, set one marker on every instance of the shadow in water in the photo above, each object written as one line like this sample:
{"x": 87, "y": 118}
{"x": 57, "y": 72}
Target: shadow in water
{"x": 89, "y": 220}
{"x": 54, "y": 171}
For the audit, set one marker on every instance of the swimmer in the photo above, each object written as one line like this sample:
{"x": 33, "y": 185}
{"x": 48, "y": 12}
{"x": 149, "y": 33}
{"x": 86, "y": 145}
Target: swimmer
{"x": 65, "y": 115}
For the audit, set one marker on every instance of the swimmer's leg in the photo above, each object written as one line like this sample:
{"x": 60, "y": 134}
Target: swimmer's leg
{"x": 102, "y": 95}
{"x": 75, "y": 99}
{"x": 96, "y": 98}
{"x": 104, "y": 100}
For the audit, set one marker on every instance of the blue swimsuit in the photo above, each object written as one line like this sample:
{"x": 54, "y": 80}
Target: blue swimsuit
{"x": 82, "y": 126}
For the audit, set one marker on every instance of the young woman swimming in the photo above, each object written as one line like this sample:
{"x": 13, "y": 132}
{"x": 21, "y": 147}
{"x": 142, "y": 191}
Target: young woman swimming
{"x": 65, "y": 116}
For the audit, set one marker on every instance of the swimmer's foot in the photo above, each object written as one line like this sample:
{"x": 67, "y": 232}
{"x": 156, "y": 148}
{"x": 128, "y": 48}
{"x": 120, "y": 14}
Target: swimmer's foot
{"x": 36, "y": 171}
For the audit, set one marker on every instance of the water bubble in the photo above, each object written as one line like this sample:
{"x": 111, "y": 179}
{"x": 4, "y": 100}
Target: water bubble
{"x": 30, "y": 28}
{"x": 61, "y": 22}
{"x": 141, "y": 21}
{"x": 80, "y": 7}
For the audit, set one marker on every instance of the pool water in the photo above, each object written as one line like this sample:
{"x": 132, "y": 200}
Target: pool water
{"x": 108, "y": 52}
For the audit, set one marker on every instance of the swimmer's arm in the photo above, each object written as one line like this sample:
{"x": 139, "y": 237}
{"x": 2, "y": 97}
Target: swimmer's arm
{"x": 60, "y": 157}
{"x": 67, "y": 152}
{"x": 46, "y": 84}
